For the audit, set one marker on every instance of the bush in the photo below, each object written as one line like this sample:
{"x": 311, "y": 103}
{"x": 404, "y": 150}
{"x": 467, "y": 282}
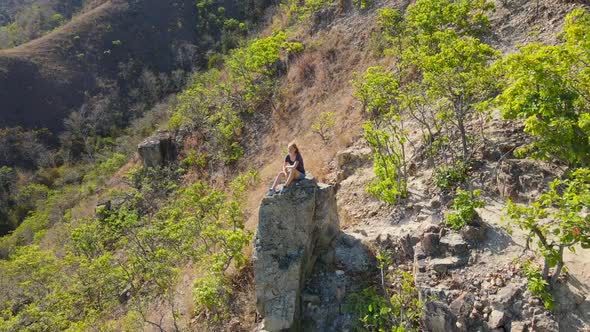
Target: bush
{"x": 323, "y": 125}
{"x": 211, "y": 295}
{"x": 377, "y": 312}
{"x": 537, "y": 285}
{"x": 449, "y": 177}
{"x": 464, "y": 207}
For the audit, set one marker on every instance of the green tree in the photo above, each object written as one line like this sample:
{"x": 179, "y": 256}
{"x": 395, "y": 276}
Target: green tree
{"x": 558, "y": 220}
{"x": 549, "y": 87}
{"x": 460, "y": 76}
{"x": 378, "y": 91}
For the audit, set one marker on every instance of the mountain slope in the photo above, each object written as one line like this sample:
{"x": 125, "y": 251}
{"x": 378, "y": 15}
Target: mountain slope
{"x": 45, "y": 79}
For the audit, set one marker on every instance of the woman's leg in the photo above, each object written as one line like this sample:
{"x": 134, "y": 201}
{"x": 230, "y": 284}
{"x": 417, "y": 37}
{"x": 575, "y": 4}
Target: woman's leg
{"x": 274, "y": 185}
{"x": 294, "y": 174}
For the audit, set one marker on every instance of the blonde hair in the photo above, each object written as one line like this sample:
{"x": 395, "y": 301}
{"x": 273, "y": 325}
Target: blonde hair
{"x": 292, "y": 144}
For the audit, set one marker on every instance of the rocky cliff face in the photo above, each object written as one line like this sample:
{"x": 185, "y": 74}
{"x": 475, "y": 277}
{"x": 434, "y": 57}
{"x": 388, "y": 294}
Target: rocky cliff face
{"x": 295, "y": 229}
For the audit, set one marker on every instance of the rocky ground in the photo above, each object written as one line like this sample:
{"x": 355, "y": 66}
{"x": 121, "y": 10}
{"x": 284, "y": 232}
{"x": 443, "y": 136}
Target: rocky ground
{"x": 472, "y": 279}
{"x": 475, "y": 274}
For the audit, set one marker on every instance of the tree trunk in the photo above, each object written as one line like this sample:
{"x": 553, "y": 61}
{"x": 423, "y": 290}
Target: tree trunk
{"x": 463, "y": 138}
{"x": 546, "y": 269}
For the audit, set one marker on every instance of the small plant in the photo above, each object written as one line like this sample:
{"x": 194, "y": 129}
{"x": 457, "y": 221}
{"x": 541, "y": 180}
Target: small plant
{"x": 464, "y": 207}
{"x": 537, "y": 285}
{"x": 377, "y": 312}
{"x": 324, "y": 125}
{"x": 211, "y": 295}
{"x": 449, "y": 177}
{"x": 363, "y": 4}
{"x": 195, "y": 159}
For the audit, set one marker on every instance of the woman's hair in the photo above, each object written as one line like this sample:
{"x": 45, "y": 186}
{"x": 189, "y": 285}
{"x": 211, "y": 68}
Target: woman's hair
{"x": 292, "y": 144}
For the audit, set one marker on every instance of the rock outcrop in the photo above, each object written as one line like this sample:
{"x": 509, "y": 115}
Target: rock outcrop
{"x": 295, "y": 229}
{"x": 157, "y": 150}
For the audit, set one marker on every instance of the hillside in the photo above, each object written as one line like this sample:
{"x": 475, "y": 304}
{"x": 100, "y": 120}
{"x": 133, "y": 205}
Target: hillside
{"x": 446, "y": 147}
{"x": 43, "y": 80}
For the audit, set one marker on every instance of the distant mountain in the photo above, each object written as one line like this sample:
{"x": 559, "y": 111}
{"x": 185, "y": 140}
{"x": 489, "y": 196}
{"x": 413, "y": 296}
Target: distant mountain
{"x": 42, "y": 81}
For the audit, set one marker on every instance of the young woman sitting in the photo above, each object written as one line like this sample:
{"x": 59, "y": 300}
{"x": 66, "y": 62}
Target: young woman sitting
{"x": 293, "y": 169}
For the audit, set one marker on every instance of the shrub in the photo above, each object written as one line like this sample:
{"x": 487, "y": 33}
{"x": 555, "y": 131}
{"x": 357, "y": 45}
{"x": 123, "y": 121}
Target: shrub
{"x": 323, "y": 125}
{"x": 398, "y": 312}
{"x": 211, "y": 295}
{"x": 449, "y": 177}
{"x": 463, "y": 207}
{"x": 537, "y": 285}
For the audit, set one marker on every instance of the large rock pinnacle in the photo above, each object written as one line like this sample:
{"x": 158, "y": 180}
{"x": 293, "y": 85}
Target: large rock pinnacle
{"x": 294, "y": 229}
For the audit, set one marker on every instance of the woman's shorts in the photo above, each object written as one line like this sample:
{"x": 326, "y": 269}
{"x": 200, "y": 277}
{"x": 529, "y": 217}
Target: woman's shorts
{"x": 301, "y": 176}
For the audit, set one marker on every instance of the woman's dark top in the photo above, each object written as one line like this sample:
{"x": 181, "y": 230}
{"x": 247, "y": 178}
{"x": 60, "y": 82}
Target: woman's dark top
{"x": 298, "y": 158}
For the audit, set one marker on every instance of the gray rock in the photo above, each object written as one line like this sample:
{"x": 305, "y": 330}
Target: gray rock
{"x": 453, "y": 243}
{"x": 435, "y": 203}
{"x": 437, "y": 317}
{"x": 474, "y": 235}
{"x": 462, "y": 305}
{"x": 505, "y": 297}
{"x": 294, "y": 228}
{"x": 157, "y": 150}
{"x": 430, "y": 228}
{"x": 518, "y": 326}
{"x": 430, "y": 244}
{"x": 352, "y": 255}
{"x": 544, "y": 324}
{"x": 497, "y": 319}
{"x": 442, "y": 265}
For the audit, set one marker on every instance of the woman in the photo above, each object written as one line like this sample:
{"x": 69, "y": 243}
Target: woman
{"x": 293, "y": 168}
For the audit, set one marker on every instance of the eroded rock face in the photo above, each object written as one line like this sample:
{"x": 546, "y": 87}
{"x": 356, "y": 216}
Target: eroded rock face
{"x": 294, "y": 229}
{"x": 157, "y": 150}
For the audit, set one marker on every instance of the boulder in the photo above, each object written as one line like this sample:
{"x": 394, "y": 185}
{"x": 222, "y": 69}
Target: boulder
{"x": 497, "y": 319}
{"x": 518, "y": 326}
{"x": 430, "y": 243}
{"x": 352, "y": 255}
{"x": 463, "y": 304}
{"x": 474, "y": 235}
{"x": 505, "y": 297}
{"x": 442, "y": 265}
{"x": 294, "y": 229}
{"x": 437, "y": 317}
{"x": 454, "y": 244}
{"x": 157, "y": 150}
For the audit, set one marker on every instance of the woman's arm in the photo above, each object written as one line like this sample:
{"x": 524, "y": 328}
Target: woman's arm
{"x": 294, "y": 165}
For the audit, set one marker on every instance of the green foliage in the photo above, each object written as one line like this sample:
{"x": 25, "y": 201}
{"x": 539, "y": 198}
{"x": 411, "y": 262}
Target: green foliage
{"x": 195, "y": 159}
{"x": 324, "y": 125}
{"x": 548, "y": 86}
{"x": 27, "y": 20}
{"x": 302, "y": 10}
{"x": 214, "y": 102}
{"x": 538, "y": 286}
{"x": 385, "y": 132}
{"x": 253, "y": 68}
{"x": 465, "y": 17}
{"x": 363, "y": 4}
{"x": 557, "y": 220}
{"x": 449, "y": 177}
{"x": 464, "y": 206}
{"x": 397, "y": 313}
{"x": 211, "y": 294}
{"x": 459, "y": 75}
{"x": 390, "y": 184}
